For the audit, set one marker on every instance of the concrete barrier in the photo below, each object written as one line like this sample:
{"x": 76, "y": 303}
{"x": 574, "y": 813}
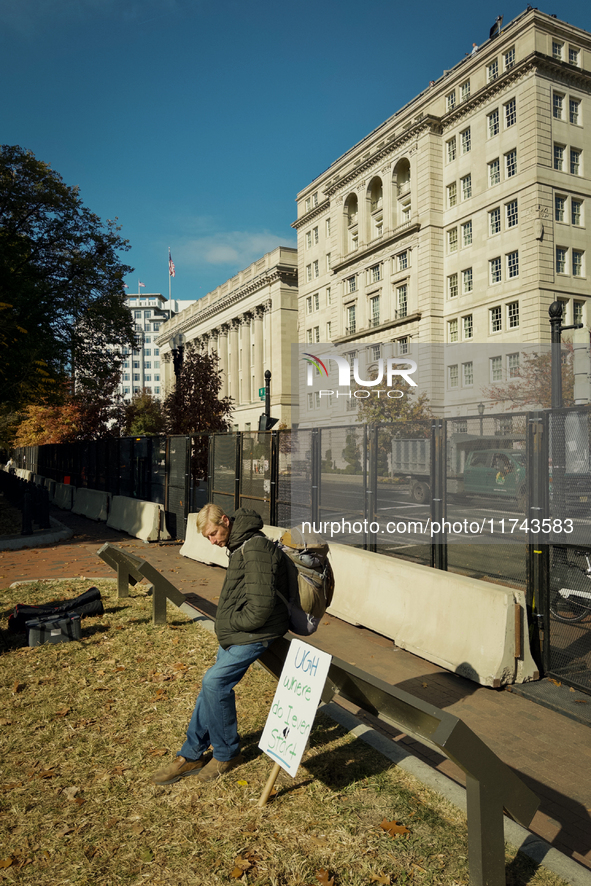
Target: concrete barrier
{"x": 474, "y": 628}
{"x": 92, "y": 503}
{"x": 63, "y": 496}
{"x": 142, "y": 519}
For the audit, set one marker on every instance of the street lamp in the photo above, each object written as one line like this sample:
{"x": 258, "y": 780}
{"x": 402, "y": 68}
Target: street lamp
{"x": 480, "y": 409}
{"x": 177, "y": 347}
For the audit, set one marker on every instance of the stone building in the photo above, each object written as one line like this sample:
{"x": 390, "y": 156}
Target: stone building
{"x": 463, "y": 216}
{"x": 250, "y": 321}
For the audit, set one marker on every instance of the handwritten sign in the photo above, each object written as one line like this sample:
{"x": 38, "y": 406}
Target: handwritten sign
{"x": 294, "y": 706}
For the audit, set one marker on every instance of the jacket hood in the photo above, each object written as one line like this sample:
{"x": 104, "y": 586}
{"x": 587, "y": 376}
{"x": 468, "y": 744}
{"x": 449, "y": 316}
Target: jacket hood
{"x": 245, "y": 523}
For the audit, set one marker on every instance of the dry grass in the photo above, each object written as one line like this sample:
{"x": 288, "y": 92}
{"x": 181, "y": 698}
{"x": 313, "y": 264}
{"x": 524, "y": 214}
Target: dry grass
{"x": 85, "y": 723}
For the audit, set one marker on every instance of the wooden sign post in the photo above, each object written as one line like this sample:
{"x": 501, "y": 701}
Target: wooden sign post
{"x": 293, "y": 710}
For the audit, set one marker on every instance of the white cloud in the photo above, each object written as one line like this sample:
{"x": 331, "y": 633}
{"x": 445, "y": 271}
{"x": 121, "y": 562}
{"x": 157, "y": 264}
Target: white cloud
{"x": 235, "y": 249}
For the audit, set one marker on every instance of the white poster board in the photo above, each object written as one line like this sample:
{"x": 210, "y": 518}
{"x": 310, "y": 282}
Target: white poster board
{"x": 294, "y": 705}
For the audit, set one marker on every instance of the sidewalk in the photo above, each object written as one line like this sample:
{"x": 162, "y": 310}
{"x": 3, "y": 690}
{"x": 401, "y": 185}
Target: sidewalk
{"x": 549, "y": 751}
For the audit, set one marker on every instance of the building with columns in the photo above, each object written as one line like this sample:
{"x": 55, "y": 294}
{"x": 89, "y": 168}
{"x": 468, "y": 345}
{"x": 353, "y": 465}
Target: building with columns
{"x": 250, "y": 321}
{"x": 462, "y": 217}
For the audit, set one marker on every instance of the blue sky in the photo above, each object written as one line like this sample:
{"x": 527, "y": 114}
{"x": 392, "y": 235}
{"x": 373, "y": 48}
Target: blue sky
{"x": 196, "y": 124}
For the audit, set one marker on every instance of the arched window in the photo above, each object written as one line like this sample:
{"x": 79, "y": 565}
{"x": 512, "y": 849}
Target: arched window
{"x": 375, "y": 214}
{"x": 401, "y": 187}
{"x": 351, "y": 233}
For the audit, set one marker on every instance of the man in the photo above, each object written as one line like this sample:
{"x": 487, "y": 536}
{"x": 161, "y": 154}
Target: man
{"x": 250, "y": 616}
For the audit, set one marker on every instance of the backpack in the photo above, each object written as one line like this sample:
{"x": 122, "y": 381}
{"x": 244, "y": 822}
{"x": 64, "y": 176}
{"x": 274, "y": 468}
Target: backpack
{"x": 87, "y": 604}
{"x": 310, "y": 579}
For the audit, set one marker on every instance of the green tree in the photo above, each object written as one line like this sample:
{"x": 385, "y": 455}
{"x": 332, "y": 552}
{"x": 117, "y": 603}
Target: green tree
{"x": 143, "y": 416}
{"x": 61, "y": 291}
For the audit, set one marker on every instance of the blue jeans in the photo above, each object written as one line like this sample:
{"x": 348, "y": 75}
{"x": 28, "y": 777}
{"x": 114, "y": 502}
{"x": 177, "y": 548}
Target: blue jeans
{"x": 214, "y": 717}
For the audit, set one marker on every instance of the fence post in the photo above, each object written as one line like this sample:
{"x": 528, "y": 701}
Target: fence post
{"x": 316, "y": 451}
{"x": 438, "y": 493}
{"x": 274, "y": 477}
{"x": 371, "y": 496}
{"x": 537, "y": 599}
{"x": 238, "y": 470}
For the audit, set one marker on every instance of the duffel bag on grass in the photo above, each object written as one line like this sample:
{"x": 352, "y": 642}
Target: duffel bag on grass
{"x": 86, "y": 604}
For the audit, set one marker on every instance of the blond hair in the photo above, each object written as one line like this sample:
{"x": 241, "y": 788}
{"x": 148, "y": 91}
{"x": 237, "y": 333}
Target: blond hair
{"x": 209, "y": 514}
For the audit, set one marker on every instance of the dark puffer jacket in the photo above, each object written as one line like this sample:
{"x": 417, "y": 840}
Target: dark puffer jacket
{"x": 249, "y": 609}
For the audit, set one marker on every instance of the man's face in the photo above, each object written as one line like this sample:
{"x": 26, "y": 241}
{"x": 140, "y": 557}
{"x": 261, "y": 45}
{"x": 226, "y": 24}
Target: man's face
{"x": 218, "y": 535}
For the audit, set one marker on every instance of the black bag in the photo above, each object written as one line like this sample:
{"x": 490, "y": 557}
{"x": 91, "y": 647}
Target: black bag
{"x": 53, "y": 629}
{"x": 87, "y": 604}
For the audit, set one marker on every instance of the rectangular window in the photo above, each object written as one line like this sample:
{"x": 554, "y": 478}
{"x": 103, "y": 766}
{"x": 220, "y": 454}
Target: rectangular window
{"x": 573, "y": 56}
{"x": 450, "y": 101}
{"x": 328, "y": 296}
{"x": 308, "y": 273}
{"x": 328, "y": 330}
{"x": 452, "y": 240}
{"x": 467, "y": 374}
{"x": 496, "y": 319}
{"x": 510, "y": 113}
{"x": 452, "y": 286}
{"x": 512, "y": 213}
{"x": 577, "y": 263}
{"x": 310, "y": 401}
{"x": 328, "y": 261}
{"x": 576, "y": 211}
{"x": 351, "y": 323}
{"x": 466, "y": 140}
{"x": 452, "y": 194}
{"x": 315, "y": 199}
{"x": 513, "y": 314}
{"x": 402, "y": 300}
{"x": 574, "y": 111}
{"x": 578, "y": 312}
{"x": 403, "y": 261}
{"x": 315, "y": 233}
{"x": 452, "y": 330}
{"x": 575, "y": 162}
{"x": 308, "y": 204}
{"x": 513, "y": 264}
{"x": 560, "y": 260}
{"x": 496, "y": 368}
{"x": 495, "y": 270}
{"x": 148, "y": 364}
{"x": 492, "y": 71}
{"x": 451, "y": 149}
{"x": 309, "y": 305}
{"x": 452, "y": 374}
{"x": 467, "y": 326}
{"x": 374, "y": 274}
{"x": 316, "y": 298}
{"x": 403, "y": 346}
{"x": 375, "y": 352}
{"x": 494, "y": 172}
{"x": 467, "y": 280}
{"x": 308, "y": 239}
{"x": 309, "y": 336}
{"x": 559, "y": 204}
{"x": 351, "y": 283}
{"x": 316, "y": 334}
{"x": 511, "y": 164}
{"x": 375, "y": 310}
{"x": 557, "y": 50}
{"x": 513, "y": 365}
{"x": 466, "y": 186}
{"x": 465, "y": 91}
{"x": 467, "y": 233}
{"x": 495, "y": 220}
{"x": 509, "y": 59}
{"x": 493, "y": 123}
{"x": 316, "y": 399}
{"x": 559, "y": 157}
{"x": 328, "y": 227}
{"x": 557, "y": 105}
{"x": 316, "y": 270}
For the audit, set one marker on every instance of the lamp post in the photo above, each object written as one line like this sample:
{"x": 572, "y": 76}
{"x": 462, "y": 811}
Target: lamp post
{"x": 480, "y": 409}
{"x": 177, "y": 347}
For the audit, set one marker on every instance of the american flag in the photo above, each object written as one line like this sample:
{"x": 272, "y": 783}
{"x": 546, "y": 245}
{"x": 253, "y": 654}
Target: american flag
{"x": 140, "y": 284}
{"x": 170, "y": 265}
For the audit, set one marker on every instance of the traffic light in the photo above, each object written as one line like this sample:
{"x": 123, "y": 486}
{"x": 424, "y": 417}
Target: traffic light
{"x": 266, "y": 422}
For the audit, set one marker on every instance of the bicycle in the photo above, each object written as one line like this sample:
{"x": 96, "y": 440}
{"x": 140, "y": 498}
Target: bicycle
{"x": 572, "y": 602}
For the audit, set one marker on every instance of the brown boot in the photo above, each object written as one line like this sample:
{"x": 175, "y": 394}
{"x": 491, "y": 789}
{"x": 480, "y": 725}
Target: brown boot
{"x": 215, "y": 768}
{"x": 179, "y": 768}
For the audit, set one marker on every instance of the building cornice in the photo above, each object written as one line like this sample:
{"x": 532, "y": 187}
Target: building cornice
{"x": 359, "y": 255}
{"x": 311, "y": 215}
{"x": 376, "y": 330}
{"x": 279, "y": 273}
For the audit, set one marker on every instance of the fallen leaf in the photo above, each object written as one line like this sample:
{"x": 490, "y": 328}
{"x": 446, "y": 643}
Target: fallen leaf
{"x": 237, "y": 873}
{"x": 570, "y": 689}
{"x": 394, "y": 829}
{"x": 18, "y": 687}
{"x": 556, "y": 683}
{"x": 6, "y": 862}
{"x": 381, "y": 879}
{"x": 62, "y": 712}
{"x": 71, "y": 792}
{"x": 137, "y": 829}
{"x": 323, "y": 878}
{"x": 242, "y": 783}
{"x": 580, "y": 701}
{"x": 424, "y": 685}
{"x": 158, "y": 752}
{"x": 319, "y": 841}
{"x": 146, "y": 854}
{"x": 5, "y": 722}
